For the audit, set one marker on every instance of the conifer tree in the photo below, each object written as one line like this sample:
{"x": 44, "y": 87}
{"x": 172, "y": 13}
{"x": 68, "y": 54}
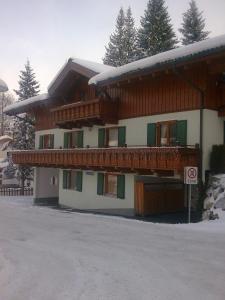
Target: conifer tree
{"x": 130, "y": 38}
{"x": 115, "y": 54}
{"x": 24, "y": 129}
{"x": 193, "y": 25}
{"x": 156, "y": 33}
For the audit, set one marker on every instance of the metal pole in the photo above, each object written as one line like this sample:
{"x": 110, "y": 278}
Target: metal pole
{"x": 189, "y": 203}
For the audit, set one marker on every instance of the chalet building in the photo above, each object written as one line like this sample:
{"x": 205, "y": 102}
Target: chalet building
{"x": 117, "y": 140}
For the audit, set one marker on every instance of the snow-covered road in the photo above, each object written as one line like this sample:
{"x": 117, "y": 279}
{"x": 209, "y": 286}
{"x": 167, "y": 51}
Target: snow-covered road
{"x": 46, "y": 254}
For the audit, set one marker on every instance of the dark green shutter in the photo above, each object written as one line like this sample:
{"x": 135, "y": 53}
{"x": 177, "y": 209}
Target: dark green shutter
{"x": 79, "y": 180}
{"x": 101, "y": 137}
{"x": 121, "y": 186}
{"x": 224, "y": 132}
{"x": 121, "y": 136}
{"x": 182, "y": 133}
{"x": 41, "y": 142}
{"x": 51, "y": 141}
{"x": 66, "y": 139}
{"x": 151, "y": 134}
{"x": 80, "y": 139}
{"x": 100, "y": 184}
{"x": 173, "y": 134}
{"x": 64, "y": 179}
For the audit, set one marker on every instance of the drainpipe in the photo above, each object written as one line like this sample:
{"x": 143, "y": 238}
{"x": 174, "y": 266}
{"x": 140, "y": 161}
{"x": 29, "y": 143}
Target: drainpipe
{"x": 201, "y": 117}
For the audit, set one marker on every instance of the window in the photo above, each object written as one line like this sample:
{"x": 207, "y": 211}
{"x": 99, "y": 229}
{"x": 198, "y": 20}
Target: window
{"x": 166, "y": 133}
{"x": 73, "y": 139}
{"x": 82, "y": 95}
{"x": 46, "y": 141}
{"x": 111, "y": 185}
{"x": 72, "y": 180}
{"x": 112, "y": 137}
{"x": 53, "y": 180}
{"x": 169, "y": 133}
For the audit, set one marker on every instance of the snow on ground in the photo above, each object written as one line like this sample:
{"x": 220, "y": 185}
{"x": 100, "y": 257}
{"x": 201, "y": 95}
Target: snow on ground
{"x": 57, "y": 255}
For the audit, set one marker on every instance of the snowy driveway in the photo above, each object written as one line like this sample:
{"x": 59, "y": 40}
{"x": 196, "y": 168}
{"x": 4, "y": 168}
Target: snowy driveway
{"x": 47, "y": 254}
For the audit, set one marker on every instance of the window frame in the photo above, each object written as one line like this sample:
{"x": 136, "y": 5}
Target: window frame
{"x": 106, "y": 185}
{"x": 47, "y": 141}
{"x": 70, "y": 138}
{"x": 71, "y": 183}
{"x": 169, "y": 133}
{"x": 107, "y": 130}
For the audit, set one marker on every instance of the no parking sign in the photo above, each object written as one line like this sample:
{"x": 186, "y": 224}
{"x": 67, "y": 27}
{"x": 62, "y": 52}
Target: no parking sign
{"x": 191, "y": 175}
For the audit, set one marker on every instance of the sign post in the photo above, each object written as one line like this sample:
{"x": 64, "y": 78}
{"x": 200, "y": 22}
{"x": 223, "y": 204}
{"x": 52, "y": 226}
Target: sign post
{"x": 190, "y": 177}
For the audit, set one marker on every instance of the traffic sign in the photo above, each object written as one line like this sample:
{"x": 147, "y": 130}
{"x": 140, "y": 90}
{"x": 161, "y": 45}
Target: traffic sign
{"x": 191, "y": 175}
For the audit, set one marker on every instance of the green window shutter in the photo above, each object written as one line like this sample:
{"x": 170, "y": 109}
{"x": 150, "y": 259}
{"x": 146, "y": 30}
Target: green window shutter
{"x": 100, "y": 184}
{"x": 41, "y": 142}
{"x": 64, "y": 179}
{"x": 173, "y": 134}
{"x": 121, "y": 136}
{"x": 80, "y": 139}
{"x": 101, "y": 137}
{"x": 182, "y": 132}
{"x": 224, "y": 132}
{"x": 51, "y": 141}
{"x": 66, "y": 139}
{"x": 121, "y": 186}
{"x": 151, "y": 134}
{"x": 79, "y": 181}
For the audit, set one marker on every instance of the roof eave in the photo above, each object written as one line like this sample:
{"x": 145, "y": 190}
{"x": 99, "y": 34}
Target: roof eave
{"x": 194, "y": 58}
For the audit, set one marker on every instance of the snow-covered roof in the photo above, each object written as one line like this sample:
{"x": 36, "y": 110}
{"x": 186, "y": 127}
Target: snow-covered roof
{"x": 4, "y": 163}
{"x": 5, "y": 137}
{"x": 3, "y": 86}
{"x": 94, "y": 66}
{"x": 84, "y": 67}
{"x": 19, "y": 106}
{"x": 161, "y": 60}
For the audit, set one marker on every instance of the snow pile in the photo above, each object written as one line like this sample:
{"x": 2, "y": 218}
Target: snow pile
{"x": 214, "y": 204}
{"x": 169, "y": 57}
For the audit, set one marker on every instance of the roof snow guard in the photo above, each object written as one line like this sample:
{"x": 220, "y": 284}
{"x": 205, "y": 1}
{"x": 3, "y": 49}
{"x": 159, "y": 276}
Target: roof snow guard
{"x": 83, "y": 67}
{"x": 162, "y": 60}
{"x": 24, "y": 105}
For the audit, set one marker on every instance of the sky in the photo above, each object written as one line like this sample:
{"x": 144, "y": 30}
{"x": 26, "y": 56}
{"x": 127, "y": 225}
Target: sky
{"x": 48, "y": 32}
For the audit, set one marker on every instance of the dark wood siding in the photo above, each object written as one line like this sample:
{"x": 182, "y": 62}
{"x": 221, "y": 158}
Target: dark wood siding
{"x": 162, "y": 93}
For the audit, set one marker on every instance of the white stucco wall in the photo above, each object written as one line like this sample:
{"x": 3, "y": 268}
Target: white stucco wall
{"x": 42, "y": 183}
{"x": 89, "y": 200}
{"x": 136, "y": 129}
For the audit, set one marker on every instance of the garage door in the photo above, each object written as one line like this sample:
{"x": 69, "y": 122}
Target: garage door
{"x": 158, "y": 198}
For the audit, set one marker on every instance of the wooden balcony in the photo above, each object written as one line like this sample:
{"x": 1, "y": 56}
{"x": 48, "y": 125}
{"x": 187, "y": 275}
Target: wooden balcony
{"x": 149, "y": 160}
{"x": 86, "y": 113}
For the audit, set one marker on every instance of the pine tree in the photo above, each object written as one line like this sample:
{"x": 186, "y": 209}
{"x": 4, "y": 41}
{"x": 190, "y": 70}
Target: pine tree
{"x": 24, "y": 129}
{"x": 193, "y": 25}
{"x": 115, "y": 54}
{"x": 28, "y": 86}
{"x": 156, "y": 33}
{"x": 130, "y": 38}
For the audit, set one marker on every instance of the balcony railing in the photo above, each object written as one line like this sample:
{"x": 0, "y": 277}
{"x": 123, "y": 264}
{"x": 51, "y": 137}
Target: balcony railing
{"x": 121, "y": 159}
{"x": 86, "y": 113}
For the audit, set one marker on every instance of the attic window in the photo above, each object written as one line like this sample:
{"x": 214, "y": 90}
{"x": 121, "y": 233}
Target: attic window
{"x": 82, "y": 95}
